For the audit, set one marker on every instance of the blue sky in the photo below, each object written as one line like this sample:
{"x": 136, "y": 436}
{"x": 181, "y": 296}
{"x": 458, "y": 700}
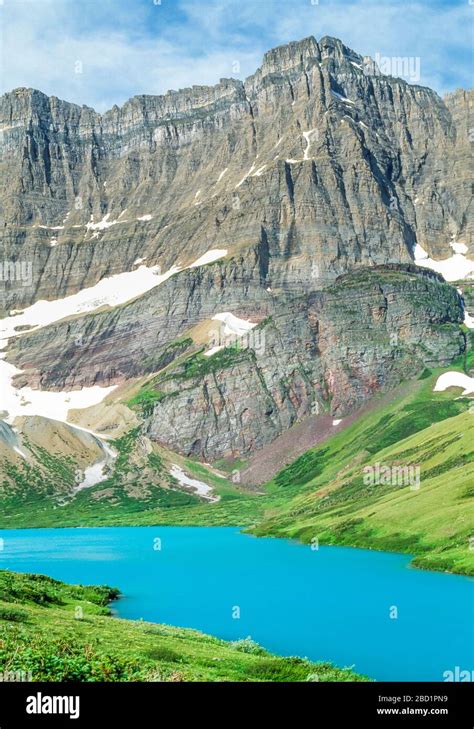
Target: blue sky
{"x": 102, "y": 52}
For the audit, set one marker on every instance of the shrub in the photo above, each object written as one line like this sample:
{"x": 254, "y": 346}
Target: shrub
{"x": 163, "y": 653}
{"x": 247, "y": 645}
{"x": 12, "y": 614}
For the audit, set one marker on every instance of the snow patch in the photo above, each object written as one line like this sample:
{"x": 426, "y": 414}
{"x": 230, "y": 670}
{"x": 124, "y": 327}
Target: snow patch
{"x": 145, "y": 218}
{"x": 341, "y": 98}
{"x": 110, "y": 291}
{"x": 201, "y": 488}
{"x": 307, "y": 135}
{"x": 233, "y": 325}
{"x": 52, "y": 405}
{"x": 468, "y": 320}
{"x": 222, "y": 175}
{"x": 459, "y": 247}
{"x": 102, "y": 224}
{"x": 213, "y": 350}
{"x": 453, "y": 269}
{"x": 455, "y": 379}
{"x": 245, "y": 176}
{"x": 232, "y": 328}
{"x": 209, "y": 257}
{"x": 96, "y": 473}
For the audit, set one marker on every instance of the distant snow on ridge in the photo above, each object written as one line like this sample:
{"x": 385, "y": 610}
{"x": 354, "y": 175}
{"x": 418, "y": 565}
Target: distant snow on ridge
{"x": 339, "y": 97}
{"x": 111, "y": 291}
{"x": 52, "y": 405}
{"x": 233, "y": 325}
{"x": 232, "y": 328}
{"x": 209, "y": 257}
{"x": 455, "y": 268}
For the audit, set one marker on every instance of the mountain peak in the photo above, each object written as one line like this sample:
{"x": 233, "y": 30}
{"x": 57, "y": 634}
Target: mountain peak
{"x": 290, "y": 55}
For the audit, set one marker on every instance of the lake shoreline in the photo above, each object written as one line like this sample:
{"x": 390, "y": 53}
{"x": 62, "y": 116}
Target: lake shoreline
{"x": 333, "y": 604}
{"x": 244, "y": 528}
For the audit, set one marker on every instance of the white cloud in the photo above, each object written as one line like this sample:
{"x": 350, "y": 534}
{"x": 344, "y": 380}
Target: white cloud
{"x": 103, "y": 53}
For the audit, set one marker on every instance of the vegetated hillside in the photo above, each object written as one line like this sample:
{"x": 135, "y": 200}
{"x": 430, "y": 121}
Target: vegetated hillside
{"x": 322, "y": 494}
{"x": 294, "y": 203}
{"x": 431, "y": 430}
{"x": 137, "y": 482}
{"x": 61, "y": 632}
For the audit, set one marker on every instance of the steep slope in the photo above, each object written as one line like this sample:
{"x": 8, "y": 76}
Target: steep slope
{"x": 399, "y": 479}
{"x": 316, "y": 163}
{"x": 331, "y": 493}
{"x": 54, "y": 473}
{"x": 200, "y": 271}
{"x": 42, "y": 458}
{"x": 329, "y": 351}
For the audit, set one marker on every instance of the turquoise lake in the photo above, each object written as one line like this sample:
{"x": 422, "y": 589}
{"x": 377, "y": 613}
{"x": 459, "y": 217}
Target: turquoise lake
{"x": 329, "y": 604}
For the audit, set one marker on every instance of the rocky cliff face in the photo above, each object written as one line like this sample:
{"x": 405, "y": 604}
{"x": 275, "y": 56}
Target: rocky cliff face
{"x": 326, "y": 352}
{"x": 317, "y": 176}
{"x": 314, "y": 162}
{"x": 131, "y": 340}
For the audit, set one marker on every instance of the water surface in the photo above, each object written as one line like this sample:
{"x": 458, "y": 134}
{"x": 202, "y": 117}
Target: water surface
{"x": 331, "y": 604}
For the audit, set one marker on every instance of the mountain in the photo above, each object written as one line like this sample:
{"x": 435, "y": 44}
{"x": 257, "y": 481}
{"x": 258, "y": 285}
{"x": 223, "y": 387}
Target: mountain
{"x": 313, "y": 164}
{"x": 189, "y": 278}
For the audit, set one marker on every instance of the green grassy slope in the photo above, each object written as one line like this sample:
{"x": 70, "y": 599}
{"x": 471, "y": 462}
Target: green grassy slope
{"x": 336, "y": 505}
{"x": 62, "y": 632}
{"x": 322, "y": 494}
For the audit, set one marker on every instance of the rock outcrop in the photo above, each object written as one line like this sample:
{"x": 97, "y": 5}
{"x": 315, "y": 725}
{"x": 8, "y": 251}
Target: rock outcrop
{"x": 329, "y": 351}
{"x": 317, "y": 176}
{"x": 315, "y": 160}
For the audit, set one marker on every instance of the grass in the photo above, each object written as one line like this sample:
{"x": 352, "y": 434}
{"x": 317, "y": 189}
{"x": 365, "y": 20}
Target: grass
{"x": 64, "y": 632}
{"x": 432, "y": 431}
{"x": 145, "y": 400}
{"x": 191, "y": 366}
{"x": 59, "y": 632}
{"x": 322, "y": 494}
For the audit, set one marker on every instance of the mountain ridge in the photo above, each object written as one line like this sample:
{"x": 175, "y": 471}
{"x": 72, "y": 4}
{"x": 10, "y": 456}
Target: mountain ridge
{"x": 309, "y": 41}
{"x": 293, "y": 204}
{"x": 78, "y": 183}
